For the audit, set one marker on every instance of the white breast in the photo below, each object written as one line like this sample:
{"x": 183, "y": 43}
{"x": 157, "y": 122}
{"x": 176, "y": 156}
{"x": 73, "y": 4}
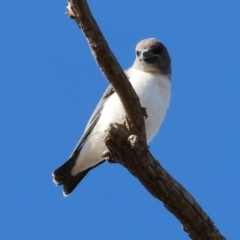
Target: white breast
{"x": 154, "y": 92}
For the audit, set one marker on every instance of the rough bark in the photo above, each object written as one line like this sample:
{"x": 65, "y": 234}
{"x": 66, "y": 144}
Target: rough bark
{"x": 80, "y": 12}
{"x": 126, "y": 143}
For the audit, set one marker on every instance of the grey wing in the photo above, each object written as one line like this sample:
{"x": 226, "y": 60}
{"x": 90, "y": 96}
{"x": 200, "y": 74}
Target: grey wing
{"x": 108, "y": 92}
{"x": 94, "y": 118}
{"x": 97, "y": 112}
{"x": 96, "y": 115}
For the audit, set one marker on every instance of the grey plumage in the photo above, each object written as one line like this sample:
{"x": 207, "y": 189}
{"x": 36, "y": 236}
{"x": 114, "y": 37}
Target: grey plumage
{"x": 152, "y": 57}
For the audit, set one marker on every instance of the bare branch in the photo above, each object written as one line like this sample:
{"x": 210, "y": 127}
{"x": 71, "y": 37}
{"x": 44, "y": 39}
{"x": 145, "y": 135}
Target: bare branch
{"x": 133, "y": 153}
{"x": 80, "y": 12}
{"x": 128, "y": 145}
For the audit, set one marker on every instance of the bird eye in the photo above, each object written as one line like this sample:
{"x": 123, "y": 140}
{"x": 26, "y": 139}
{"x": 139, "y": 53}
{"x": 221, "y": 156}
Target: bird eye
{"x": 138, "y": 53}
{"x": 156, "y": 51}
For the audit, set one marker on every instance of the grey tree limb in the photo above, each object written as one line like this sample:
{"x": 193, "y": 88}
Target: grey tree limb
{"x": 126, "y": 142}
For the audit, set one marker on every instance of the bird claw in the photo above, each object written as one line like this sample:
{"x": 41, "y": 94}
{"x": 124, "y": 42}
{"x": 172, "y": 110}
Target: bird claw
{"x": 144, "y": 112}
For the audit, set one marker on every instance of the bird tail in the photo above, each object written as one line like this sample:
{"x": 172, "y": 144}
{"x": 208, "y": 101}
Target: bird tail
{"x": 63, "y": 176}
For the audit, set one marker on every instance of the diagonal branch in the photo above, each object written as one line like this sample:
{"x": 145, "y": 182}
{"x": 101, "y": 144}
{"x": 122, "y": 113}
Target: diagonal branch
{"x": 128, "y": 146}
{"x": 80, "y": 12}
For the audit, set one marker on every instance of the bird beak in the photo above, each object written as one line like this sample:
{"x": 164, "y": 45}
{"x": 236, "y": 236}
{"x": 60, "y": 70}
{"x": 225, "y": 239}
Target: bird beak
{"x": 147, "y": 54}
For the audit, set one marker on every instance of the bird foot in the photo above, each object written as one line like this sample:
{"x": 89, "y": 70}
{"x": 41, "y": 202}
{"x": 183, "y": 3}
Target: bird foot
{"x": 144, "y": 112}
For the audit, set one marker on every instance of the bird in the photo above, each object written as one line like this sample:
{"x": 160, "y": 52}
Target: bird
{"x": 150, "y": 76}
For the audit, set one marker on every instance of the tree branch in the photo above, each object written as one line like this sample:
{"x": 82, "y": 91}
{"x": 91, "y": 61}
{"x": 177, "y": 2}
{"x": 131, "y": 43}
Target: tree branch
{"x": 80, "y": 12}
{"x": 127, "y": 145}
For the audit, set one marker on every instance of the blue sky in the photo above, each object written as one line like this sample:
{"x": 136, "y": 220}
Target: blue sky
{"x": 50, "y": 85}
